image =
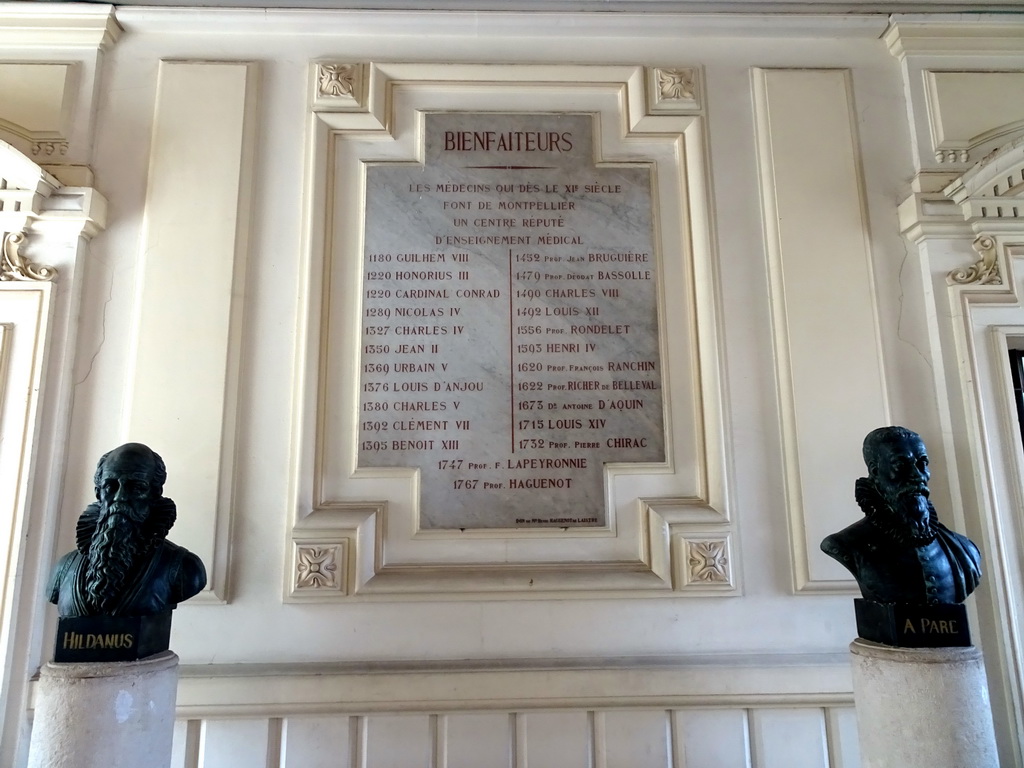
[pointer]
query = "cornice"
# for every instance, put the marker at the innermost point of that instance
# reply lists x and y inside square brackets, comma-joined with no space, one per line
[57,26]
[750,7]
[542,20]
[968,34]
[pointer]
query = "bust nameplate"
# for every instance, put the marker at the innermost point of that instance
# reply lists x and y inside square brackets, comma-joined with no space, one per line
[913,626]
[111,638]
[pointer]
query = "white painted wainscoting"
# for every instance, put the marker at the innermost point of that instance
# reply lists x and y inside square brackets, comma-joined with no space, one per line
[736,737]
[650,713]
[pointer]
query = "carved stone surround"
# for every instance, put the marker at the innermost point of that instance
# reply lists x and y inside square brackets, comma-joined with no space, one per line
[339,549]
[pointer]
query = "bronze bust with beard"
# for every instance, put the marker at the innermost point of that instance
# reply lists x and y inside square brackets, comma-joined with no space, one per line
[900,552]
[123,564]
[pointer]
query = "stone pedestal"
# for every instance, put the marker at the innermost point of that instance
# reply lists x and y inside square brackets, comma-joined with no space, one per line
[922,707]
[98,715]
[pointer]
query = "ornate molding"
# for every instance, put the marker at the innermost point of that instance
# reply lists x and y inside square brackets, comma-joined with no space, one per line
[673,90]
[952,156]
[47,149]
[677,84]
[707,561]
[952,36]
[336,79]
[338,87]
[16,267]
[70,26]
[985,271]
[318,567]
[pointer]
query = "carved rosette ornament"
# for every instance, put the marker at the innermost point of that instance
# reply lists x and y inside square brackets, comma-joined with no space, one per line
[985,271]
[14,266]
[673,90]
[677,84]
[336,80]
[316,568]
[708,562]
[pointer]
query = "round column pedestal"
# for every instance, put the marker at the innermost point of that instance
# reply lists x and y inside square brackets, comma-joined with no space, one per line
[922,707]
[104,714]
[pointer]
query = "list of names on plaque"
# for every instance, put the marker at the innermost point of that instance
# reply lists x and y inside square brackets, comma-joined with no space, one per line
[509,343]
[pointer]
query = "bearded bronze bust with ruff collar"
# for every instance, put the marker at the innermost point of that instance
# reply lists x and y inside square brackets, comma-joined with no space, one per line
[123,566]
[900,554]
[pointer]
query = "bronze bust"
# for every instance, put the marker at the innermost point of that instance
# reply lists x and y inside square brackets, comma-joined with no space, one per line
[123,564]
[900,552]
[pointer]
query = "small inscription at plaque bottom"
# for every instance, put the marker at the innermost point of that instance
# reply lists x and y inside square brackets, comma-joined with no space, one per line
[509,341]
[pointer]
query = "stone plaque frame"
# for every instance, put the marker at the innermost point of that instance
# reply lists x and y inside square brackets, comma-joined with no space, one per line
[366,519]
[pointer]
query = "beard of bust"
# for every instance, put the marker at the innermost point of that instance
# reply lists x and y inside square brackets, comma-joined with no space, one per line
[909,518]
[113,551]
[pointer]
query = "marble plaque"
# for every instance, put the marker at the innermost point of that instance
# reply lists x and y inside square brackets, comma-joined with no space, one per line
[509,321]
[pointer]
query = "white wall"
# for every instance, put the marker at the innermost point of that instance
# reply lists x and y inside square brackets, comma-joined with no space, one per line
[812,330]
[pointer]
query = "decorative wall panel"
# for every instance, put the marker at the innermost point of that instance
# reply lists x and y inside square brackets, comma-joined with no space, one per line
[481,740]
[316,742]
[714,737]
[773,731]
[243,741]
[395,741]
[625,736]
[191,285]
[555,739]
[822,293]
